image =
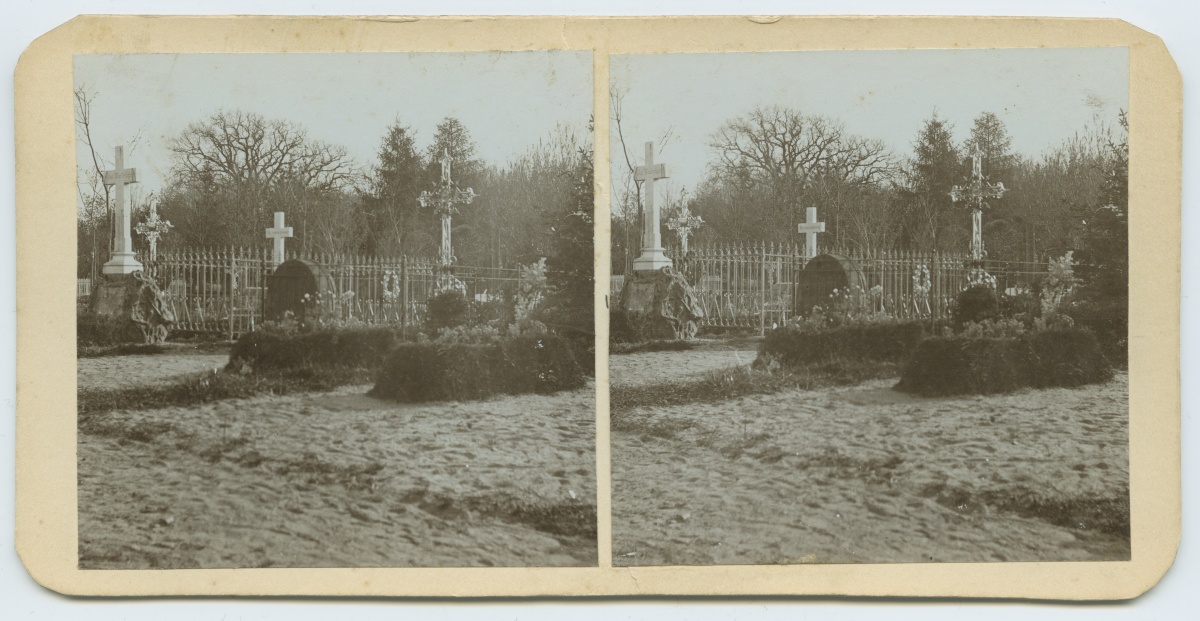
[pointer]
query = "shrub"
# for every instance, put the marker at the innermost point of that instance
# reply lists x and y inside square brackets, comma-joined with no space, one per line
[974,304]
[886,341]
[447,310]
[1108,319]
[1024,307]
[958,365]
[433,371]
[360,347]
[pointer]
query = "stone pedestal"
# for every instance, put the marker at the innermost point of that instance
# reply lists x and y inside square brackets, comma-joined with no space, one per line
[660,305]
[122,264]
[134,297]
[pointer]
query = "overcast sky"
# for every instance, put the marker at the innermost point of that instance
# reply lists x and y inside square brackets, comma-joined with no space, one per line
[1042,95]
[507,100]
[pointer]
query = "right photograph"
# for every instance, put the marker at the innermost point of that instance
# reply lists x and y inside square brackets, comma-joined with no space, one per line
[869,306]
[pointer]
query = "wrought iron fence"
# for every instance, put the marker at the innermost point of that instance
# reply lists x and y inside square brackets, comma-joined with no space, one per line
[224,292]
[758,285]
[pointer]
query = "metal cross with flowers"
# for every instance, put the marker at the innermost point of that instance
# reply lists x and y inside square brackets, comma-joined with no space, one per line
[152,228]
[683,224]
[973,194]
[444,199]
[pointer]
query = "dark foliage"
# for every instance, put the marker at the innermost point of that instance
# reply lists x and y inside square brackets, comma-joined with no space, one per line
[351,348]
[569,308]
[1023,306]
[1108,319]
[417,372]
[101,331]
[447,309]
[964,365]
[973,305]
[620,329]
[887,342]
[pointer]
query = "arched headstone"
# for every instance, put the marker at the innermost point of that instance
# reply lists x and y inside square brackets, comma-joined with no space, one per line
[822,275]
[290,283]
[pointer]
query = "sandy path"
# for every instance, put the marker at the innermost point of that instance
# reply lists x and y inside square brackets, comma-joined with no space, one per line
[650,367]
[147,370]
[866,474]
[336,479]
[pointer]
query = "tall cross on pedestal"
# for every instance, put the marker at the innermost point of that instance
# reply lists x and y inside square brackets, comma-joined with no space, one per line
[973,194]
[810,227]
[652,257]
[445,199]
[278,234]
[683,225]
[123,260]
[152,228]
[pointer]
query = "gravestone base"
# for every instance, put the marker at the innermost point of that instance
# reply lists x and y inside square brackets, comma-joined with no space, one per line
[136,300]
[660,305]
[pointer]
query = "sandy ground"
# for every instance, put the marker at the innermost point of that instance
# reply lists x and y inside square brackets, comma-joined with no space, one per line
[143,370]
[862,474]
[337,480]
[650,367]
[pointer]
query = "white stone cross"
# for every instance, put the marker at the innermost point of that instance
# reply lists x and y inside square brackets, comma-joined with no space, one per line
[683,225]
[810,227]
[279,233]
[152,228]
[652,257]
[973,194]
[123,260]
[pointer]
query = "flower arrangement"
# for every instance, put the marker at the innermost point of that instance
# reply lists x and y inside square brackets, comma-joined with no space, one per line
[1059,283]
[391,286]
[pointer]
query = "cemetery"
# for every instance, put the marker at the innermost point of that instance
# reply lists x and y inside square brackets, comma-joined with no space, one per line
[271,404]
[791,402]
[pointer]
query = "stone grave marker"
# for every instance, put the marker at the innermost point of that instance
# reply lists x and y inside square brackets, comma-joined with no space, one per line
[290,283]
[824,274]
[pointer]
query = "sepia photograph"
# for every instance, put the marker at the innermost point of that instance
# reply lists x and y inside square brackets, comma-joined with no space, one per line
[335,310]
[870,306]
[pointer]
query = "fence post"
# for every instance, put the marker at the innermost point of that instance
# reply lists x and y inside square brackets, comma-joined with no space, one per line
[404,297]
[229,290]
[762,290]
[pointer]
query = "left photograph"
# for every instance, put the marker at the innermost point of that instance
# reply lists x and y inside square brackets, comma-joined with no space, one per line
[335,310]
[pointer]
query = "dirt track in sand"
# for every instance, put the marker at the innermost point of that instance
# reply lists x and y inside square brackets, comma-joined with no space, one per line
[866,474]
[340,479]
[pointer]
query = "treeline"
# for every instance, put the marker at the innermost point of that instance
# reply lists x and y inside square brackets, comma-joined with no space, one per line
[771,163]
[233,169]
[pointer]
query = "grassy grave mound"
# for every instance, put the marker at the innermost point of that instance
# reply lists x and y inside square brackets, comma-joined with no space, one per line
[960,365]
[279,350]
[432,371]
[796,346]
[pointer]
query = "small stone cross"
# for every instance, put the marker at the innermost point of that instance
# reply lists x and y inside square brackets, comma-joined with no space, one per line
[652,257]
[152,228]
[810,227]
[279,233]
